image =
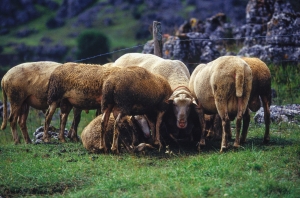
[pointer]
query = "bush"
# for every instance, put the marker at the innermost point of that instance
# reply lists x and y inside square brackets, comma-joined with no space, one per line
[93,46]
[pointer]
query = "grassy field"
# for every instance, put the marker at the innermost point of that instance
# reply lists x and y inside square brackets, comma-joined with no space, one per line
[68,170]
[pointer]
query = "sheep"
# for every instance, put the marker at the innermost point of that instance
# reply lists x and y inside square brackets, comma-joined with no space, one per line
[222,86]
[123,96]
[261,89]
[25,85]
[178,75]
[130,133]
[74,85]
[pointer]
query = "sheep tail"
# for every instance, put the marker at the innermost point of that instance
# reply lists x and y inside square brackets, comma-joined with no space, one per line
[239,81]
[4,121]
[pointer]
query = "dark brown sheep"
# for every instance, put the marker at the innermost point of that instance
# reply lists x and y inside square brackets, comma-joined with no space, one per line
[25,86]
[123,96]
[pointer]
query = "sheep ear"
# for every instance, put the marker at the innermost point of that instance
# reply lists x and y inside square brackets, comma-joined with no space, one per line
[195,102]
[171,98]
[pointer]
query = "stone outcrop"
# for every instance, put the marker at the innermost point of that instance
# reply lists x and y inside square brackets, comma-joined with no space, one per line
[286,113]
[272,32]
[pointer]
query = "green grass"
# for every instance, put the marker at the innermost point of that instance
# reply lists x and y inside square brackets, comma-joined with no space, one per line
[68,170]
[286,83]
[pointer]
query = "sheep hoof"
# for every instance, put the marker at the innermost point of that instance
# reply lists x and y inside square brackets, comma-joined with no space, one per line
[28,141]
[114,150]
[75,139]
[236,145]
[46,139]
[202,142]
[223,149]
[62,140]
[17,142]
[266,140]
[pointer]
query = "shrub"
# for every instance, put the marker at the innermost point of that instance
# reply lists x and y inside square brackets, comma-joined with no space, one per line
[93,46]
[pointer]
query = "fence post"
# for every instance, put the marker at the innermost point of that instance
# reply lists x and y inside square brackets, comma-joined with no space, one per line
[157,38]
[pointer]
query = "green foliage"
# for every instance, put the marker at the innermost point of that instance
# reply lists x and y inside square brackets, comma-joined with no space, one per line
[286,82]
[91,44]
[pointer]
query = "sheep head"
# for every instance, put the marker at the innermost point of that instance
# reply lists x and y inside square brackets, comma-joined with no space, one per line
[182,101]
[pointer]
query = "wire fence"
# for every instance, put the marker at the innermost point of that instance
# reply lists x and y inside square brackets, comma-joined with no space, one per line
[285,82]
[285,85]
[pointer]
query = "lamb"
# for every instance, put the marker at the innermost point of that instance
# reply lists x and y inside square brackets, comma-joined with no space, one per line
[74,85]
[123,96]
[177,74]
[222,86]
[131,134]
[25,85]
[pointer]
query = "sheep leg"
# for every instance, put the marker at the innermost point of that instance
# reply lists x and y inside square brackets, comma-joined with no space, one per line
[266,106]
[210,130]
[118,124]
[246,121]
[152,127]
[225,130]
[157,130]
[13,117]
[73,130]
[223,112]
[104,122]
[238,123]
[135,130]
[199,110]
[48,118]
[22,122]
[65,108]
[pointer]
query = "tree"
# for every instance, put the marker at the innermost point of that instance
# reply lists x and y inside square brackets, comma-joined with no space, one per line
[93,47]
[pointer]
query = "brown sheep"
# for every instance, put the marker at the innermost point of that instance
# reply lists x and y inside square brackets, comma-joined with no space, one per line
[261,88]
[25,86]
[74,85]
[222,86]
[177,74]
[123,96]
[131,134]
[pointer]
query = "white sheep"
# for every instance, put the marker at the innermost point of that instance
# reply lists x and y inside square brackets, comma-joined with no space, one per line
[222,86]
[177,74]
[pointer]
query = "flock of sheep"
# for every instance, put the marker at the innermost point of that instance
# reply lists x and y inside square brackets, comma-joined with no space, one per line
[139,95]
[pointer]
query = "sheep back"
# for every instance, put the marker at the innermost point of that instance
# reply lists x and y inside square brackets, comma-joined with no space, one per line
[150,93]
[176,72]
[261,83]
[222,81]
[29,81]
[80,83]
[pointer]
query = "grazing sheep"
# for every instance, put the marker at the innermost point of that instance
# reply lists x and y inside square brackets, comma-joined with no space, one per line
[25,85]
[74,85]
[222,86]
[130,133]
[123,96]
[177,74]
